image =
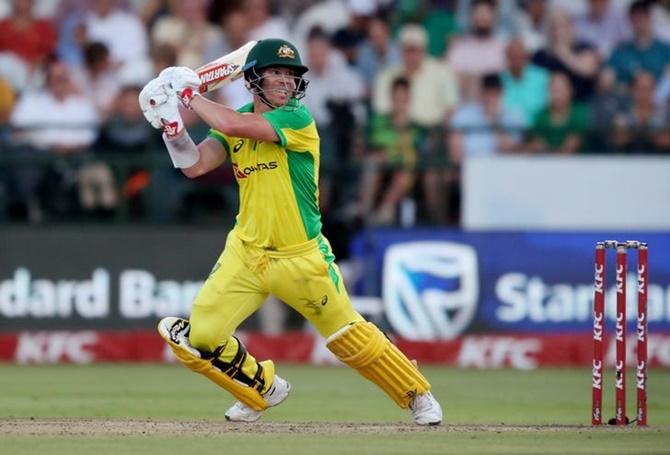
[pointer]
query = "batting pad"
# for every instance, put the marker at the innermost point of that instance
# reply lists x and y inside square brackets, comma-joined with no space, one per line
[174,330]
[364,347]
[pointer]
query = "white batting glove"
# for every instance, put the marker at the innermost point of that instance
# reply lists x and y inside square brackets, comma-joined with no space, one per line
[152,95]
[160,107]
[184,81]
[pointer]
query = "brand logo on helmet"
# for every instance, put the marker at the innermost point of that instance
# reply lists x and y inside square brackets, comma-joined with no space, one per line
[285,52]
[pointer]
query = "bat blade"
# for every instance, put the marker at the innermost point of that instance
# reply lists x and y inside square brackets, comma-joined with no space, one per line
[224,70]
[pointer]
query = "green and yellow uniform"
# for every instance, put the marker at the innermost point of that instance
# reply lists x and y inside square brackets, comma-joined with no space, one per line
[279,194]
[276,246]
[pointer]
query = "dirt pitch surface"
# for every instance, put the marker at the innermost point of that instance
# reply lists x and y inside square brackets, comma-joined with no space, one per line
[101,428]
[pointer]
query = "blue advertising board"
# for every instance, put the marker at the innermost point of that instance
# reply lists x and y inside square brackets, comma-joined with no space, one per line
[438,284]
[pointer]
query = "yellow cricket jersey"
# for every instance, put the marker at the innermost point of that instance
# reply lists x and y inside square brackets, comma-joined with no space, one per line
[279,193]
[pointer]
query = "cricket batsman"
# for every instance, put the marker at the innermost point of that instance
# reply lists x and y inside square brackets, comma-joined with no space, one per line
[276,246]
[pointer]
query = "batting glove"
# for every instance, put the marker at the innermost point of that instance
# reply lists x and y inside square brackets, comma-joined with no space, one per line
[184,81]
[160,107]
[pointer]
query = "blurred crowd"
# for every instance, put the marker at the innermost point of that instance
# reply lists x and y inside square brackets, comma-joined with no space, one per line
[403,91]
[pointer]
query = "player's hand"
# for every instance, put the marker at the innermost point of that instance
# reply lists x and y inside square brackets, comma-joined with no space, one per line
[184,81]
[160,107]
[153,95]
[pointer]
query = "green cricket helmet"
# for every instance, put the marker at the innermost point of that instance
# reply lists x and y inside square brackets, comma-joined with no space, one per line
[269,53]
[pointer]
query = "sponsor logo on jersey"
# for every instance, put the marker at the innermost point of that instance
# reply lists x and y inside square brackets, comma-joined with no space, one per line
[243,173]
[238,173]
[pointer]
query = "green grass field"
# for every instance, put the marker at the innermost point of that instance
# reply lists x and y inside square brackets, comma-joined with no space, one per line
[165,409]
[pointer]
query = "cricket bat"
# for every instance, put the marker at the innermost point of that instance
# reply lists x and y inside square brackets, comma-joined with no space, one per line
[223,70]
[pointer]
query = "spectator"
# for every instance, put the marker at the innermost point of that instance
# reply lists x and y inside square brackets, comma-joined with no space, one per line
[349,38]
[641,127]
[149,11]
[608,100]
[122,32]
[71,19]
[187,30]
[532,24]
[125,131]
[162,56]
[56,120]
[7,99]
[644,52]
[98,80]
[262,23]
[485,126]
[433,87]
[578,60]
[334,91]
[480,41]
[660,15]
[328,15]
[440,23]
[482,127]
[6,104]
[235,35]
[433,94]
[524,84]
[32,39]
[602,26]
[662,95]
[16,72]
[506,10]
[72,33]
[559,128]
[377,51]
[388,176]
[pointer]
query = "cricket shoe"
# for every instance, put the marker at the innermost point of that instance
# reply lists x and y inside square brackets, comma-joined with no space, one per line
[425,409]
[278,392]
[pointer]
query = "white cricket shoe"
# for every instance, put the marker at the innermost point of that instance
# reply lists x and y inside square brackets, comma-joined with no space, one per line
[425,409]
[240,412]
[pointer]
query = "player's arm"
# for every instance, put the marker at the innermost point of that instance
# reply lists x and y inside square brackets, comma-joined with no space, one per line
[185,83]
[161,108]
[211,154]
[233,123]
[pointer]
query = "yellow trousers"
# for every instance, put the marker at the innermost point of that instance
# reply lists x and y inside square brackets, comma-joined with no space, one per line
[304,276]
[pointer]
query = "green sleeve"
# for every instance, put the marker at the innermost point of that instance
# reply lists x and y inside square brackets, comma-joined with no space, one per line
[286,119]
[219,136]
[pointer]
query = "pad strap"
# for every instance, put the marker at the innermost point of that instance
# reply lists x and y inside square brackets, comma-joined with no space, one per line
[227,375]
[234,367]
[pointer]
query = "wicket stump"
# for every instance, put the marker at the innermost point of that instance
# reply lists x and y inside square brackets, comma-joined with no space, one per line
[621,248]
